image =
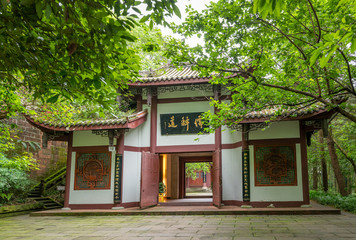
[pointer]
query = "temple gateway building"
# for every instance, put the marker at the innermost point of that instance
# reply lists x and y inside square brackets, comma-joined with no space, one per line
[127,162]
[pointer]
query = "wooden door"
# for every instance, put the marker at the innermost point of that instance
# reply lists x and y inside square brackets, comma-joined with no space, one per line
[217,189]
[149,179]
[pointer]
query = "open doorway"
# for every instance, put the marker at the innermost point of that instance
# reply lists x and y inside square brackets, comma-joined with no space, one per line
[186,179]
[196,177]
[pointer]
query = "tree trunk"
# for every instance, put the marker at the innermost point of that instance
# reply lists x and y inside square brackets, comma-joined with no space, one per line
[335,164]
[345,154]
[315,178]
[324,169]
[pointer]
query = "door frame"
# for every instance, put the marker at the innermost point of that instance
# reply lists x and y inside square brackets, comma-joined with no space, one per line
[182,162]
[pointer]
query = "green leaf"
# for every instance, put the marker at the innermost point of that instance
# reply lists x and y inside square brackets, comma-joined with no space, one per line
[176,11]
[274,4]
[136,10]
[255,6]
[315,56]
[151,25]
[39,9]
[53,99]
[48,11]
[353,45]
[145,18]
[262,4]
[346,36]
[27,2]
[325,59]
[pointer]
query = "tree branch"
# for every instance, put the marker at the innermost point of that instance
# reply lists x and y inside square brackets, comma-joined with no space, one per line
[348,70]
[317,21]
[286,36]
[352,161]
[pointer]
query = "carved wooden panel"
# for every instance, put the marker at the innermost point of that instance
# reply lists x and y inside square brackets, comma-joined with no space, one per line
[275,166]
[92,171]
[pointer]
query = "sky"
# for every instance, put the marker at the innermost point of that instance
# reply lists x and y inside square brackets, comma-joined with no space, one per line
[198,5]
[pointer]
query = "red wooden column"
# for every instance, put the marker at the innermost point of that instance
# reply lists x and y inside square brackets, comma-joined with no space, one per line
[150,160]
[217,175]
[69,166]
[304,155]
[153,129]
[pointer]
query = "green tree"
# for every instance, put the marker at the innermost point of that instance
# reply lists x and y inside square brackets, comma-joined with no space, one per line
[278,54]
[192,168]
[71,49]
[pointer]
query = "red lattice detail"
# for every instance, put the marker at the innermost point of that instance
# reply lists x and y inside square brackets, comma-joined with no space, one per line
[92,171]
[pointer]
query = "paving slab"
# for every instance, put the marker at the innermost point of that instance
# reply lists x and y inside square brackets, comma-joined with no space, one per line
[252,227]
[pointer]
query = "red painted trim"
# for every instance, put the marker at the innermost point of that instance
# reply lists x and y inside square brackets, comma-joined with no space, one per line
[170,82]
[275,141]
[139,102]
[91,206]
[137,122]
[103,206]
[182,162]
[131,204]
[211,147]
[91,148]
[218,138]
[153,129]
[231,145]
[136,149]
[196,159]
[120,144]
[68,170]
[186,148]
[264,204]
[304,156]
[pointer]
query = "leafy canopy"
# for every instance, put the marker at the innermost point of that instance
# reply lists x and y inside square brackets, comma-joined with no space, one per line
[71,49]
[275,54]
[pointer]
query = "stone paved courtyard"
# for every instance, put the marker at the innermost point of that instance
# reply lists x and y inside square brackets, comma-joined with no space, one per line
[312,227]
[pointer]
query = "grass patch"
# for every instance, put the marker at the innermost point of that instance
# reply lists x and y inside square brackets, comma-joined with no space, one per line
[347,203]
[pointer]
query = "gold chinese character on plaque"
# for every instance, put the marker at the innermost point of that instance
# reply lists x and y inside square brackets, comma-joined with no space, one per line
[185,122]
[198,122]
[171,124]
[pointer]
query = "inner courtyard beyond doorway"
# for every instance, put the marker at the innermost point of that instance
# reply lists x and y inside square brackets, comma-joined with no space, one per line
[186,178]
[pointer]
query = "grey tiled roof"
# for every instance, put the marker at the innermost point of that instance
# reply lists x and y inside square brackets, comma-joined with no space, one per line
[92,124]
[284,113]
[170,74]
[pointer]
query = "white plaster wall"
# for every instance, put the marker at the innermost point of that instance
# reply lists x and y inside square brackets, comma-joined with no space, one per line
[185,93]
[229,136]
[231,174]
[280,193]
[91,196]
[286,129]
[87,139]
[140,136]
[131,177]
[184,139]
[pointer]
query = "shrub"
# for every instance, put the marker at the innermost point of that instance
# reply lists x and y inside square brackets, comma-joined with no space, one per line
[347,203]
[13,183]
